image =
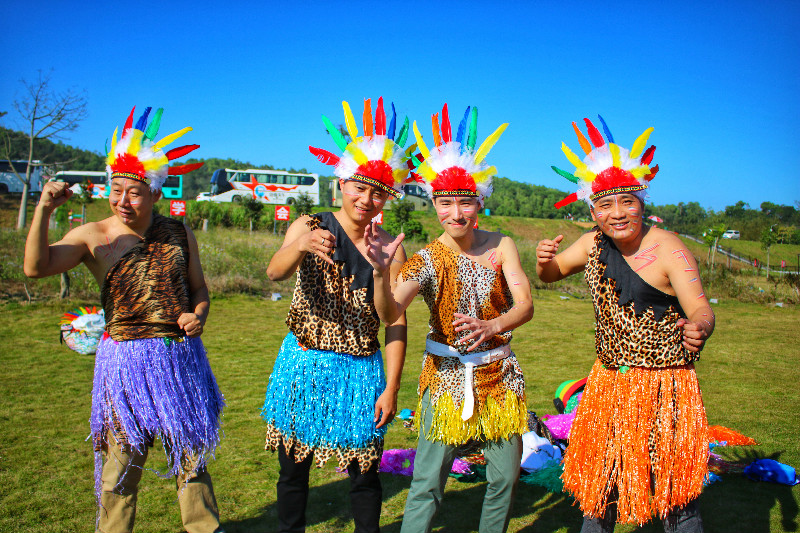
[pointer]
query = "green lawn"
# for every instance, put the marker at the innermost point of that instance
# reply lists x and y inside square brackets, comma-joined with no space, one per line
[749,375]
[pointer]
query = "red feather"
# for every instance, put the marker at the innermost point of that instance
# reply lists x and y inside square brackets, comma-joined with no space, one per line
[367,118]
[129,122]
[568,200]
[183,169]
[324,156]
[447,134]
[181,151]
[648,155]
[653,172]
[594,135]
[380,118]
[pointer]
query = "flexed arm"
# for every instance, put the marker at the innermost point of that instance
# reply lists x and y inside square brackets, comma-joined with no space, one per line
[684,276]
[553,266]
[299,241]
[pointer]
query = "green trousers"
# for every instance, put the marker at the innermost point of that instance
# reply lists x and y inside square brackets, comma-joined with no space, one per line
[122,471]
[432,464]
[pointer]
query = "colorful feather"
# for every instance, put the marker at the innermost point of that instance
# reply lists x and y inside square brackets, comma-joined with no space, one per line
[462,127]
[142,122]
[653,172]
[565,174]
[437,138]
[380,118]
[335,134]
[472,136]
[647,157]
[324,156]
[169,138]
[183,169]
[349,122]
[490,141]
[606,130]
[594,134]
[421,143]
[155,124]
[446,130]
[392,124]
[614,149]
[638,145]
[128,122]
[582,140]
[368,117]
[181,151]
[403,135]
[568,200]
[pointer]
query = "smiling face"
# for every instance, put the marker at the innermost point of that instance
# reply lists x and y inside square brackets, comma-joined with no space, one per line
[619,216]
[362,202]
[457,214]
[131,200]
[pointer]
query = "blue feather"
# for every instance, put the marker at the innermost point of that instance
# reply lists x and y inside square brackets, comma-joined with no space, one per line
[143,119]
[606,130]
[462,127]
[392,124]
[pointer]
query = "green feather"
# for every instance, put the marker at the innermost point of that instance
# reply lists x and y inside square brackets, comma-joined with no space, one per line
[403,135]
[565,174]
[152,129]
[472,136]
[335,134]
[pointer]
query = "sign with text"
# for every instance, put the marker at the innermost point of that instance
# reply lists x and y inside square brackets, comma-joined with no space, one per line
[378,218]
[281,212]
[783,264]
[177,208]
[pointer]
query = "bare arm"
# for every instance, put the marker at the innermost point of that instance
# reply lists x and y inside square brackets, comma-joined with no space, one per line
[521,312]
[551,267]
[43,259]
[298,242]
[192,323]
[395,353]
[391,299]
[684,277]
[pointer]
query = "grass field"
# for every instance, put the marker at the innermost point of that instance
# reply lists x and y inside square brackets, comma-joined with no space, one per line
[749,375]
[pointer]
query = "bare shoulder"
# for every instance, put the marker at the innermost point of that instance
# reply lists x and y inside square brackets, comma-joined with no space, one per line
[665,238]
[89,232]
[586,241]
[493,239]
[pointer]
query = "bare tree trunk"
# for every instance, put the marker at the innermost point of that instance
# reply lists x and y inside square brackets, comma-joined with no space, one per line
[22,219]
[767,263]
[83,213]
[64,285]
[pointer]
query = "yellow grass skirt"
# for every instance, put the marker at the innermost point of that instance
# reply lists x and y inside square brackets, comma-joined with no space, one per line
[643,432]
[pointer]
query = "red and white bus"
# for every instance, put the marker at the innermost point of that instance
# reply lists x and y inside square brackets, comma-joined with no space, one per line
[268,186]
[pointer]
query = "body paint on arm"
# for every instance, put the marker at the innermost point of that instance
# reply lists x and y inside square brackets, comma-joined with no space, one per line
[646,256]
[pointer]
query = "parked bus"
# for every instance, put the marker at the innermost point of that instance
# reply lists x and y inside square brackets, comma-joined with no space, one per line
[173,187]
[10,183]
[268,186]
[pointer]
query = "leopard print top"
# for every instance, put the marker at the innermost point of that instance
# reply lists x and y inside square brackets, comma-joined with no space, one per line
[636,323]
[146,291]
[332,307]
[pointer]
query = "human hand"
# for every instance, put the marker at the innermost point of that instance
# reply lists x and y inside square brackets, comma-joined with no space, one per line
[481,330]
[54,194]
[191,324]
[379,252]
[385,408]
[694,335]
[547,249]
[320,242]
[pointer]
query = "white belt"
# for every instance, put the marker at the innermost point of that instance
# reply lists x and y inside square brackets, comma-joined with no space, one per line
[470,360]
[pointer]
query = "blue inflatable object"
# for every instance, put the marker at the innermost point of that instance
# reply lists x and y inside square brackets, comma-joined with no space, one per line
[772,471]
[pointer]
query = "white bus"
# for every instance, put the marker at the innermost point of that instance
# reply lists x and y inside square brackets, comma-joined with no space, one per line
[268,186]
[77,177]
[10,183]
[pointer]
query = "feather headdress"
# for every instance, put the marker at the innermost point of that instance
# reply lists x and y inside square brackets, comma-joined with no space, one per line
[376,158]
[454,167]
[607,168]
[138,156]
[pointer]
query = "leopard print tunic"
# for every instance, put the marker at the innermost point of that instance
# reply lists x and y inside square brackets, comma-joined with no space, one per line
[332,307]
[636,323]
[452,283]
[146,291]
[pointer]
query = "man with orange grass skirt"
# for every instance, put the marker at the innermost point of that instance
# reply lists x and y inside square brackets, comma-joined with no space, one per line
[471,386]
[638,446]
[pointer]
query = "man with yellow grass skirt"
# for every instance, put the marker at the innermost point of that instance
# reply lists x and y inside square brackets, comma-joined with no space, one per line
[328,395]
[638,445]
[471,386]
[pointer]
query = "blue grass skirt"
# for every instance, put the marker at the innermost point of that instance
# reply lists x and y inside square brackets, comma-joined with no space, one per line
[324,399]
[146,388]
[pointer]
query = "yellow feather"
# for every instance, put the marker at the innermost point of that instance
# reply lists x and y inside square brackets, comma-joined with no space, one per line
[156,162]
[400,174]
[574,159]
[388,150]
[640,171]
[169,138]
[350,122]
[484,174]
[422,147]
[410,149]
[112,157]
[357,154]
[614,149]
[136,142]
[638,146]
[426,172]
[585,174]
[487,145]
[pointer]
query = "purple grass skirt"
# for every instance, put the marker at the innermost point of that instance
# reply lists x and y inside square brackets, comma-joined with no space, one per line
[149,388]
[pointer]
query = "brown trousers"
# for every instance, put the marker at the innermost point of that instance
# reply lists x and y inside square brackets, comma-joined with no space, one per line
[121,474]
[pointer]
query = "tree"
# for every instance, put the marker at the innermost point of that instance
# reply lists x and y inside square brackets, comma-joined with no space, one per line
[402,210]
[46,114]
[253,208]
[768,237]
[711,236]
[303,204]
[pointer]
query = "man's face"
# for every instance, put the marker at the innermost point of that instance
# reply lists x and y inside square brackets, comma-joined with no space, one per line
[131,200]
[619,216]
[362,202]
[457,214]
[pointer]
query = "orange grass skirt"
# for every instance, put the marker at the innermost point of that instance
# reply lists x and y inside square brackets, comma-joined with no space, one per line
[644,432]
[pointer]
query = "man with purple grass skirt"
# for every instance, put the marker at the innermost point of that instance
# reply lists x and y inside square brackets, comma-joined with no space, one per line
[152,378]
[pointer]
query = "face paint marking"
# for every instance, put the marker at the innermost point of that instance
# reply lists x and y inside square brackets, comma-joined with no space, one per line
[110,250]
[645,255]
[682,253]
[693,280]
[701,295]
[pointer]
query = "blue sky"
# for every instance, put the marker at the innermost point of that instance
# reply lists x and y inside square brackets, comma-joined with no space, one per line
[718,81]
